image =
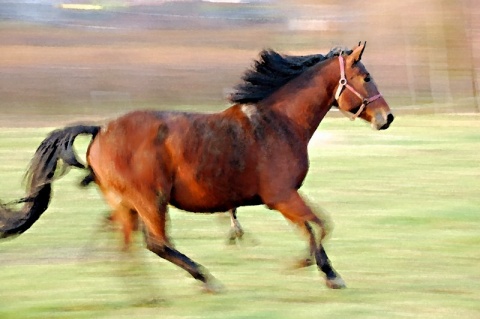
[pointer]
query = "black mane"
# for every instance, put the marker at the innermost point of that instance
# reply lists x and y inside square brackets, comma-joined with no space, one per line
[273,70]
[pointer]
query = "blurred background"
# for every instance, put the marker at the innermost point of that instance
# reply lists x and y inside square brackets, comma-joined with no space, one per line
[75,59]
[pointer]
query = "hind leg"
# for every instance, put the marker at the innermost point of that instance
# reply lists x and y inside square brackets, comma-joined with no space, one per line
[128,221]
[296,210]
[155,219]
[196,270]
[121,214]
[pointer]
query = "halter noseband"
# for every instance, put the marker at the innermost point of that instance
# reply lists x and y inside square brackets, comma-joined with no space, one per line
[342,84]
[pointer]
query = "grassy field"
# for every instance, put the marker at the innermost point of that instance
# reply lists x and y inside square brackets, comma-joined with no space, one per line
[405,203]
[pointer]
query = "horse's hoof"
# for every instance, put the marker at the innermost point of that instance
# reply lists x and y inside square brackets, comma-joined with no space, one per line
[235,234]
[232,240]
[213,287]
[336,283]
[239,233]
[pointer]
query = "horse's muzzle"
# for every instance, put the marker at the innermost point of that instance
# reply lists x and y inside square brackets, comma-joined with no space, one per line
[382,122]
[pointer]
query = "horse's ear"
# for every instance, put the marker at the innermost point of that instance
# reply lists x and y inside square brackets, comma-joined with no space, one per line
[356,55]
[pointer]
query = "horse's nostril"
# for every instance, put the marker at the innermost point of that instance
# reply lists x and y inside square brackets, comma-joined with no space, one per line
[390,118]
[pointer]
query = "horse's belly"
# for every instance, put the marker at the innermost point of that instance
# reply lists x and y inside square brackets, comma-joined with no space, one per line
[196,197]
[210,207]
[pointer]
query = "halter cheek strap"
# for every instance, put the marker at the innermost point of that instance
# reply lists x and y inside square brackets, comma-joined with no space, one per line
[343,84]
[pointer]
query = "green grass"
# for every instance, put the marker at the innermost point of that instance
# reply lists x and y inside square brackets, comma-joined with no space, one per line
[405,204]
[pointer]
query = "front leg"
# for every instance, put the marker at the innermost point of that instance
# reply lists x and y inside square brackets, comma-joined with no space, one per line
[333,279]
[296,210]
[309,259]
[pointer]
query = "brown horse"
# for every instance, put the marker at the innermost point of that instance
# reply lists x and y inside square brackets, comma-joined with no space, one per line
[254,152]
[128,221]
[270,62]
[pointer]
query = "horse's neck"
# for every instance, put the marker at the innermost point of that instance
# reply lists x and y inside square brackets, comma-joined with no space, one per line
[306,100]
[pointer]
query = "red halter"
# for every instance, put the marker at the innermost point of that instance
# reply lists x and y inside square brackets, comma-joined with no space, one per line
[342,84]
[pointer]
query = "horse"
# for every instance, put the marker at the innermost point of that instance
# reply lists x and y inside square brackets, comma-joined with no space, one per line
[252,153]
[129,222]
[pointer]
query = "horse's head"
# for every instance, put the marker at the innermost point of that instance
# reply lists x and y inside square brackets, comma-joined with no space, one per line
[357,95]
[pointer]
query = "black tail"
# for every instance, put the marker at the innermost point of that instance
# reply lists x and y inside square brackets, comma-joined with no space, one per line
[42,172]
